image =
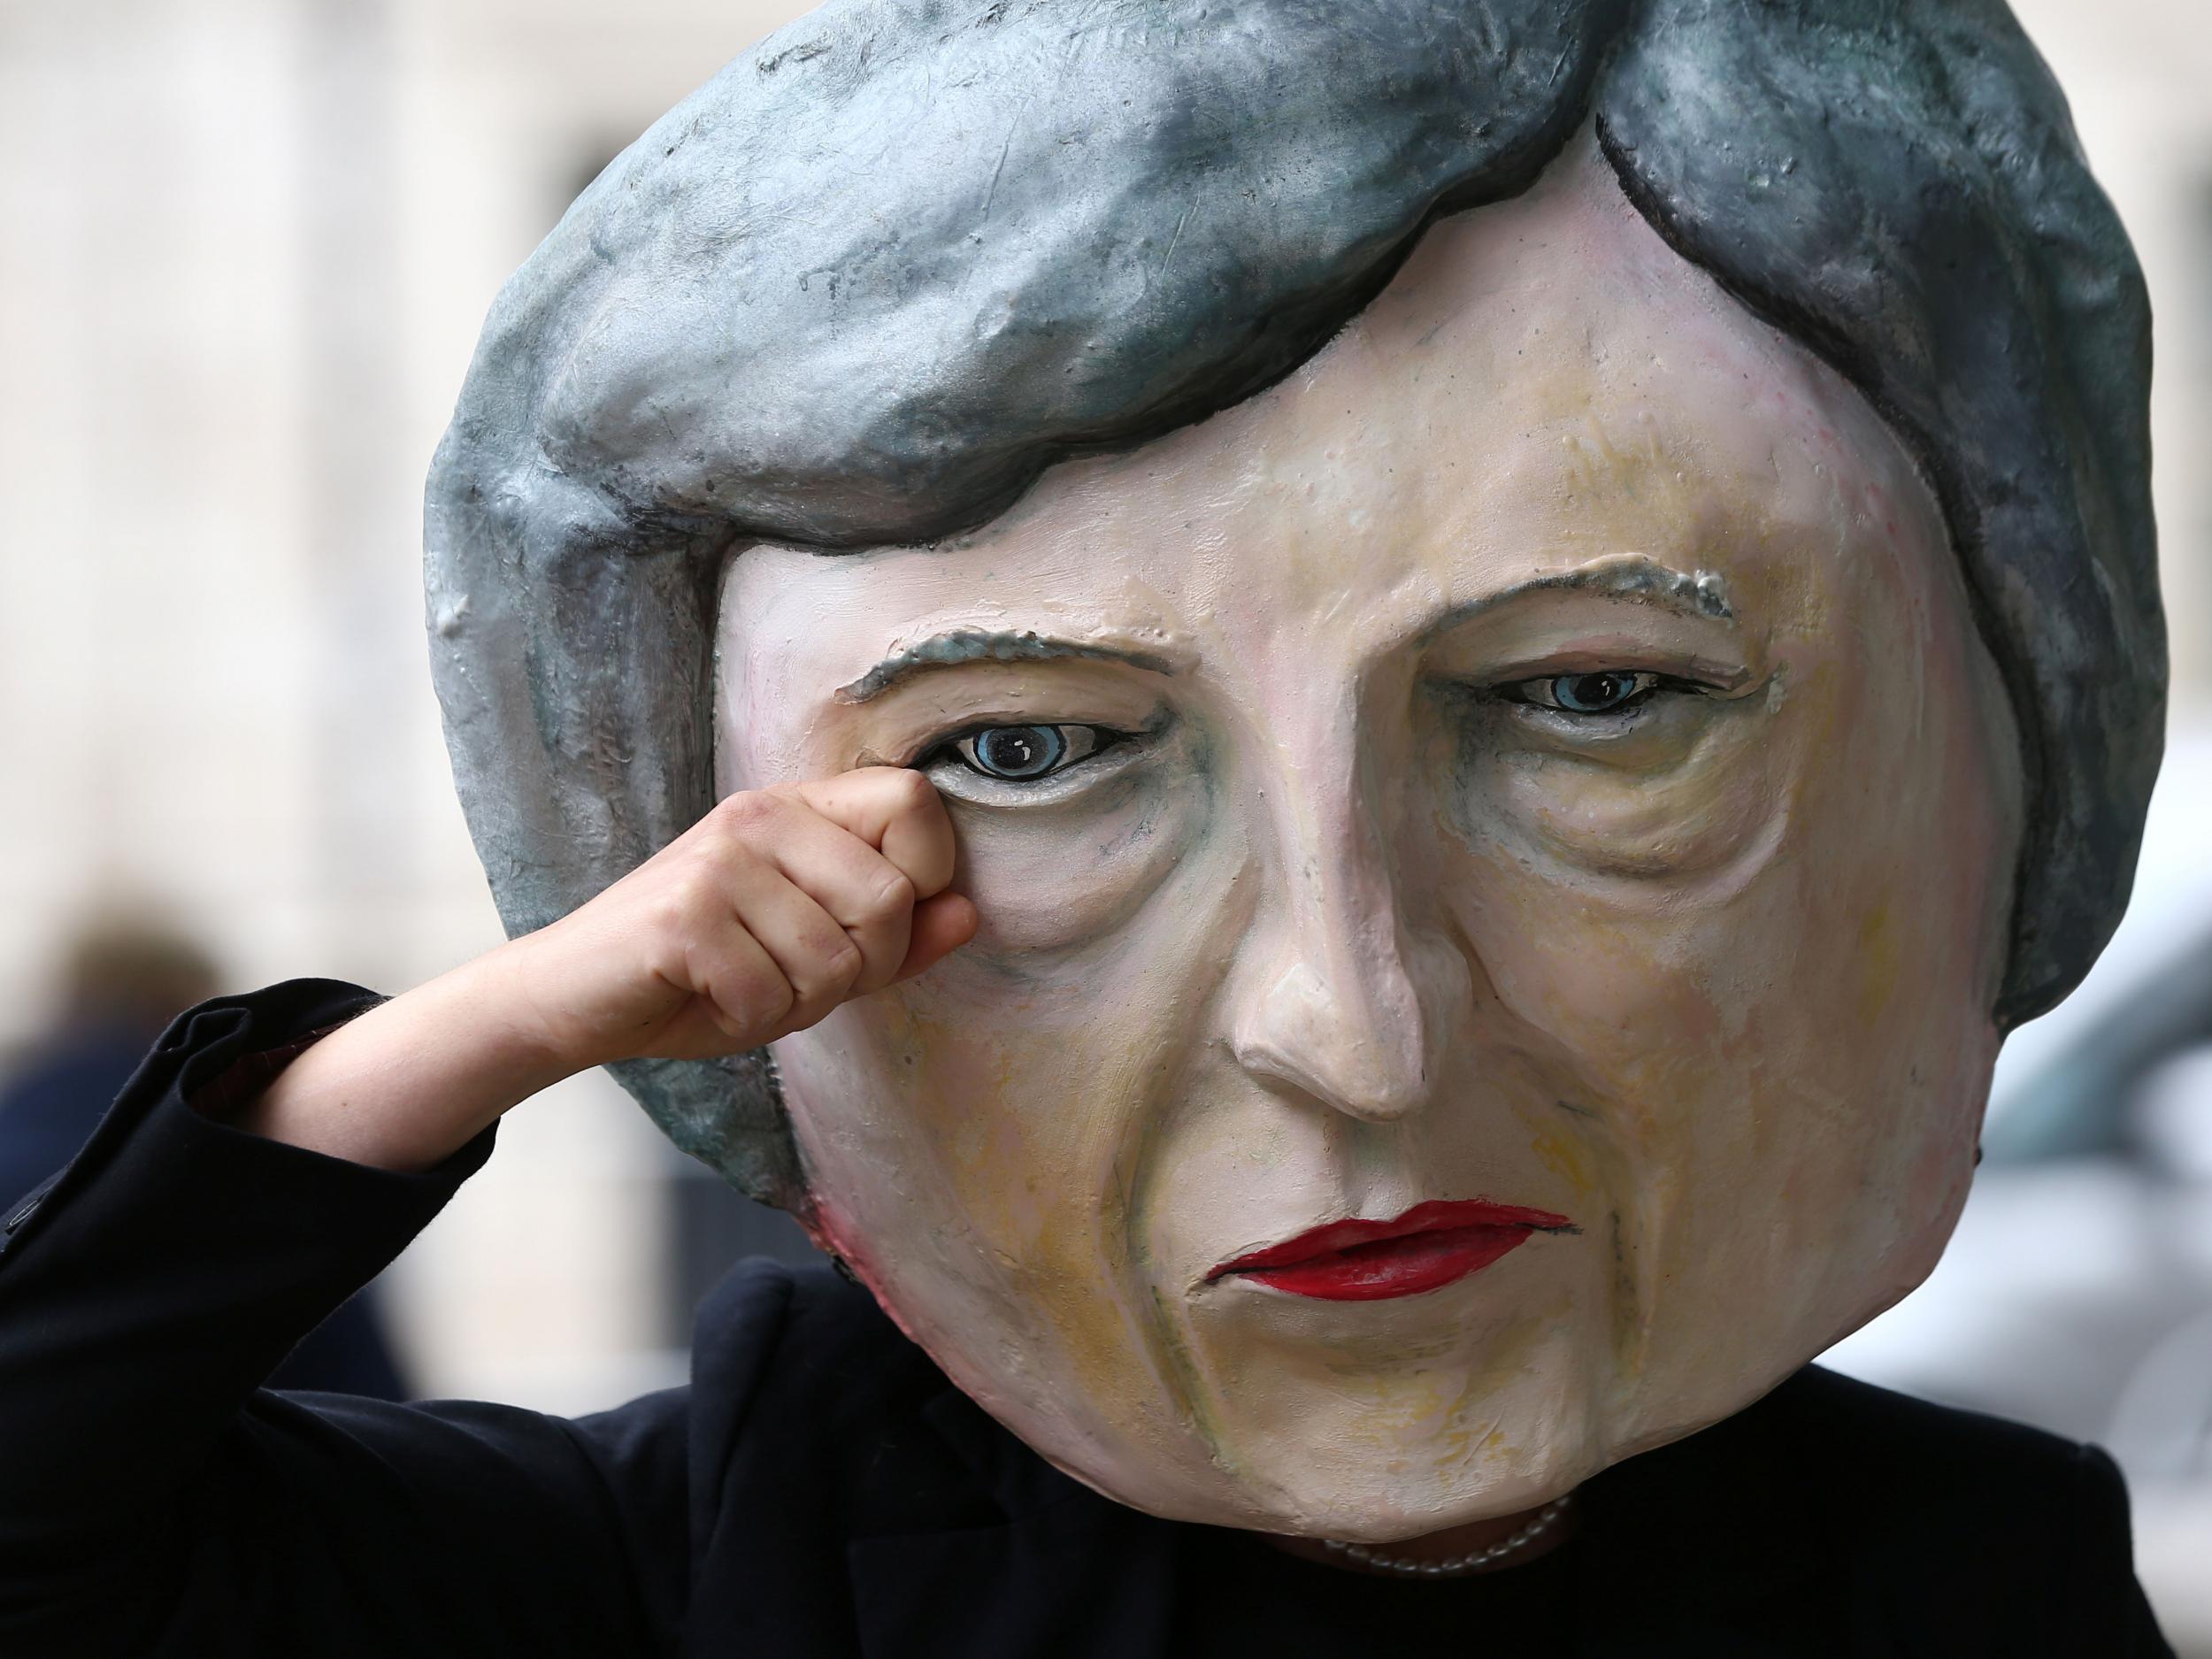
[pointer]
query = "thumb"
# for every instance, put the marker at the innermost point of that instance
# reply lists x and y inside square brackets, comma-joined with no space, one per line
[941,925]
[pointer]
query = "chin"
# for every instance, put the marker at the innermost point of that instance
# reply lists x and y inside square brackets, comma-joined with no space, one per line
[1386,1513]
[1355,1463]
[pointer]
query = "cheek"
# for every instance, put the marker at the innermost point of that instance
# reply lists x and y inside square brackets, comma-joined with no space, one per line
[1015,1088]
[979,1139]
[1811,921]
[963,1176]
[1791,1055]
[958,1172]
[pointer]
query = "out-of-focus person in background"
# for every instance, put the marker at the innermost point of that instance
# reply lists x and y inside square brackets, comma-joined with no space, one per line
[121,978]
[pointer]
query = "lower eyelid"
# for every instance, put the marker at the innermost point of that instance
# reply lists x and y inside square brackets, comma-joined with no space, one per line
[1568,720]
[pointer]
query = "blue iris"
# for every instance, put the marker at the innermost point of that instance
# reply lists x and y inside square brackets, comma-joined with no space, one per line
[1017,753]
[1595,694]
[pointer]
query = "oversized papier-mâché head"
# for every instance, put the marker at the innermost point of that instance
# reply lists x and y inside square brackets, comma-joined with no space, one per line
[1538,620]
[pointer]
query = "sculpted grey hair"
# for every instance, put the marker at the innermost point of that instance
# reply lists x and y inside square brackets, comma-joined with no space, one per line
[871,280]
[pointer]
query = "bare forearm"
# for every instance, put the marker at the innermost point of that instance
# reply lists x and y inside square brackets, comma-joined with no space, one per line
[409,1083]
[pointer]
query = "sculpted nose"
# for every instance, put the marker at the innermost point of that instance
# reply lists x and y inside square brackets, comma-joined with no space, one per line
[1349,1033]
[1336,1011]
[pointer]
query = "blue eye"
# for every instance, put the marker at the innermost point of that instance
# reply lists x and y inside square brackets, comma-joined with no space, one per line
[1048,752]
[1019,754]
[1609,691]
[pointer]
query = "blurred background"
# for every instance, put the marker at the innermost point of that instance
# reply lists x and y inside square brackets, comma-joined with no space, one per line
[245,247]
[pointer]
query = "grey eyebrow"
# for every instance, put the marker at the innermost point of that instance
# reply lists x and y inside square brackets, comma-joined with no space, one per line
[976,645]
[1630,576]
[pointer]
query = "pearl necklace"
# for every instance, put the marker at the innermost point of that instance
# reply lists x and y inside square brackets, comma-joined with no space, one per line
[1456,1566]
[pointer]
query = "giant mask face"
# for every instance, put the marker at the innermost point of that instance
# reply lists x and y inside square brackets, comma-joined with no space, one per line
[1520,729]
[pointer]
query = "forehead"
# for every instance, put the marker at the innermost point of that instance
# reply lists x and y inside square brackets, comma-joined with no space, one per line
[1543,384]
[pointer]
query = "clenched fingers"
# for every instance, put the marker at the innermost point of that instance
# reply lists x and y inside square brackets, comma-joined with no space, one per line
[897,811]
[864,891]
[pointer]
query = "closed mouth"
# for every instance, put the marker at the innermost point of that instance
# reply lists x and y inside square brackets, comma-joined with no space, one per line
[1430,1246]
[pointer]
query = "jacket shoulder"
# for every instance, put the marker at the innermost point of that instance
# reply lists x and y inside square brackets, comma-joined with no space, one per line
[790,1363]
[768,1327]
[1973,1524]
[1880,1430]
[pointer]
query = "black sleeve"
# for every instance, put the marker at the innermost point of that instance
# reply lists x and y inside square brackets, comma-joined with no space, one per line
[154,1500]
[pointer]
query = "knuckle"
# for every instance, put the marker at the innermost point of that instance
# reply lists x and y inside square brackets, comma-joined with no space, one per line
[734,1018]
[719,873]
[833,970]
[747,993]
[747,812]
[894,896]
[762,999]
[909,788]
[708,888]
[672,913]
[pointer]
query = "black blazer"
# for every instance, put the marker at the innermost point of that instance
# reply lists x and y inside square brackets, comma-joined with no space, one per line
[820,1489]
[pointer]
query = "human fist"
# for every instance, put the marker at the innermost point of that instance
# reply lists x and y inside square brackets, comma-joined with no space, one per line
[777,906]
[773,909]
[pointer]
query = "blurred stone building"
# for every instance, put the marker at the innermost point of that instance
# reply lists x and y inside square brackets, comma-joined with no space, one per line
[245,247]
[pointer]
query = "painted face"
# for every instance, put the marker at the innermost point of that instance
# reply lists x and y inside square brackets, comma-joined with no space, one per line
[1528,779]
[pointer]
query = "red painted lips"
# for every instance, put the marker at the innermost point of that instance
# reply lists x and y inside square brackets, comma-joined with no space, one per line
[1429,1246]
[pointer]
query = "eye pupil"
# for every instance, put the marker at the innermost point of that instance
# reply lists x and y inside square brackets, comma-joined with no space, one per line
[1593,694]
[1019,751]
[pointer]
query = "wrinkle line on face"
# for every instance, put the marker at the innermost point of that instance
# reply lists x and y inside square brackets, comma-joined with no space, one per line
[977,645]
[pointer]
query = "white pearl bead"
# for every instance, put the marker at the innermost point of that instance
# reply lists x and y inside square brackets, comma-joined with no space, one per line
[1521,1540]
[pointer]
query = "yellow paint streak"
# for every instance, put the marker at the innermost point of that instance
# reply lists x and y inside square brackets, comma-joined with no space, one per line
[1879,963]
[1566,1157]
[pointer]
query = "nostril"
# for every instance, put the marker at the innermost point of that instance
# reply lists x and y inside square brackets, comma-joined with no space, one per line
[1361,1054]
